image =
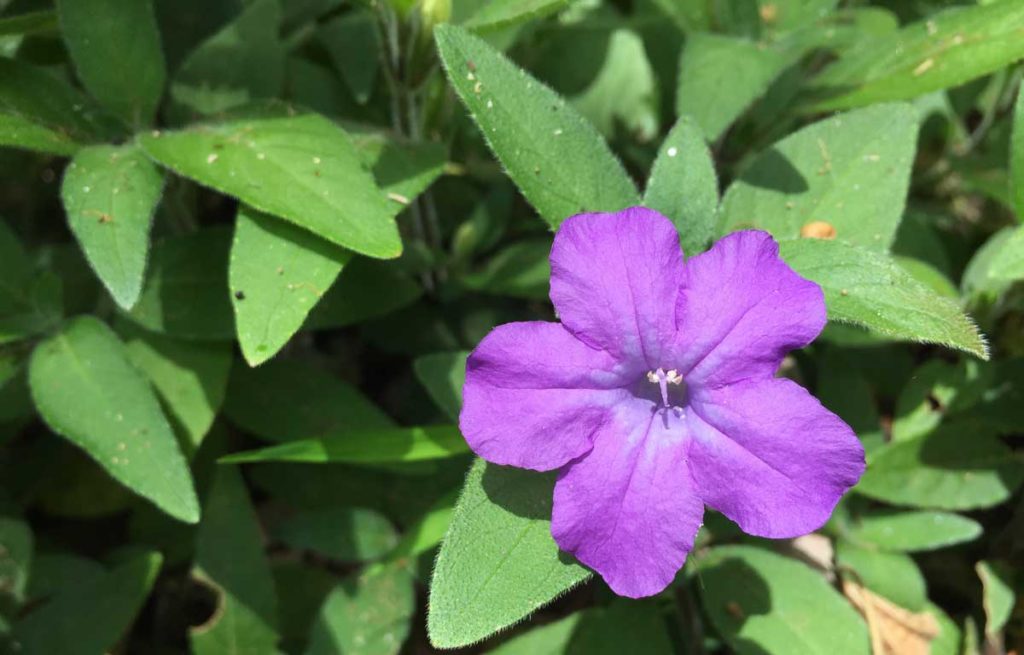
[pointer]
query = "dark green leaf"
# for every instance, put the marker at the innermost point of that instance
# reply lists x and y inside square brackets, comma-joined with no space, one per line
[43,21]
[347,534]
[29,304]
[499,14]
[353,41]
[442,375]
[366,289]
[1017,157]
[16,546]
[521,270]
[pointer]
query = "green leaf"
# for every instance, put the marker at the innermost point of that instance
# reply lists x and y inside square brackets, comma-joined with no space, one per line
[845,390]
[241,63]
[347,534]
[945,50]
[868,289]
[39,111]
[288,400]
[708,59]
[15,563]
[531,130]
[303,169]
[366,615]
[89,614]
[366,289]
[1017,157]
[189,377]
[850,171]
[683,186]
[353,42]
[365,447]
[278,273]
[115,46]
[428,531]
[1008,262]
[442,375]
[29,304]
[230,559]
[979,281]
[301,590]
[913,531]
[87,390]
[499,537]
[892,575]
[499,14]
[402,170]
[998,594]
[957,466]
[761,602]
[43,21]
[110,194]
[938,390]
[521,271]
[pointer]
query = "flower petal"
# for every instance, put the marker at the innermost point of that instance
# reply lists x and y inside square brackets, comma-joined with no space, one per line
[614,282]
[535,394]
[741,309]
[767,455]
[628,508]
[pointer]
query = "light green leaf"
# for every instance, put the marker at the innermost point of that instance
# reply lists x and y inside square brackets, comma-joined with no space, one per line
[1017,157]
[948,641]
[20,132]
[367,615]
[365,447]
[913,531]
[186,291]
[16,545]
[347,534]
[960,465]
[498,14]
[683,186]
[29,304]
[999,597]
[1008,262]
[761,602]
[442,375]
[115,46]
[550,639]
[230,559]
[892,575]
[288,400]
[302,168]
[88,615]
[278,272]
[110,194]
[868,289]
[850,171]
[521,270]
[87,390]
[945,50]
[353,42]
[938,390]
[241,63]
[749,67]
[979,281]
[498,562]
[190,377]
[530,129]
[366,289]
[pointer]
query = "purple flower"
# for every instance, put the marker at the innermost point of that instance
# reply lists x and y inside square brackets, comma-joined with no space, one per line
[656,396]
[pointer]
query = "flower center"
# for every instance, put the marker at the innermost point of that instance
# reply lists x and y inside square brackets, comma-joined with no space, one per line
[673,398]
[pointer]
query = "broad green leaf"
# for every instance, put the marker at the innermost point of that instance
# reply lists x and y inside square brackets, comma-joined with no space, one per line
[353,42]
[241,63]
[29,304]
[1017,157]
[230,559]
[365,289]
[960,465]
[189,377]
[115,46]
[304,169]
[761,602]
[288,400]
[347,534]
[532,131]
[999,596]
[949,640]
[301,590]
[42,21]
[53,570]
[1008,262]
[499,14]
[369,614]
[979,281]
[278,273]
[521,271]
[498,562]
[683,186]
[945,50]
[16,550]
[110,194]
[938,390]
[913,531]
[442,375]
[428,531]
[749,67]
[550,639]
[39,111]
[88,615]
[87,390]
[402,170]
[850,172]
[365,447]
[868,289]
[892,575]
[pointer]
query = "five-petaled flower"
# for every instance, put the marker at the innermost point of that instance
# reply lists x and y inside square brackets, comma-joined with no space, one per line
[656,395]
